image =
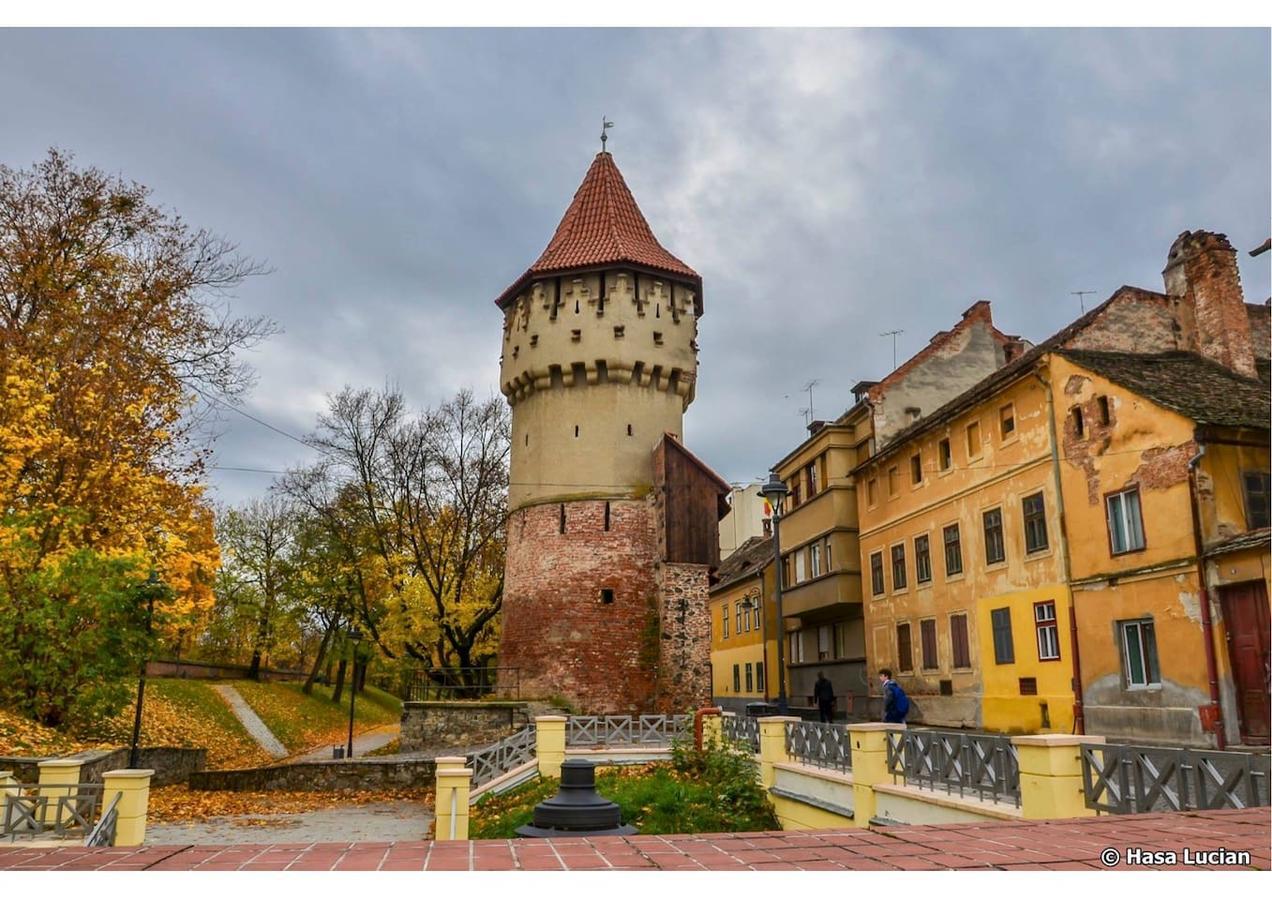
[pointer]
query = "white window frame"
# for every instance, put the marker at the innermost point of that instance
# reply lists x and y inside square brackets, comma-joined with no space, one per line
[1049,633]
[814,561]
[825,642]
[1124,632]
[724,622]
[800,572]
[1124,522]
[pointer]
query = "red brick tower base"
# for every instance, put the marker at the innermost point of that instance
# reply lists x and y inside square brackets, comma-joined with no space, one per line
[593,616]
[579,608]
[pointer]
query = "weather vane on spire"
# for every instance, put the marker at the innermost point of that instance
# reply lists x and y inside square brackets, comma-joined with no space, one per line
[605,126]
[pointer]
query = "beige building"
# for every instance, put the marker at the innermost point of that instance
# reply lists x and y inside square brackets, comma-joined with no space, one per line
[748,517]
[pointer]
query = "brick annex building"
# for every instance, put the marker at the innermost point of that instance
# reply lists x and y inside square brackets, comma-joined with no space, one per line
[613,524]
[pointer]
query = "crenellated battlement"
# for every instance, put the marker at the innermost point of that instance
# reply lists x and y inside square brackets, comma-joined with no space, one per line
[617,326]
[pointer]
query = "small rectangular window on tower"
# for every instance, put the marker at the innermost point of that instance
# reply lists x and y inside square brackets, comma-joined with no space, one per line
[607,596]
[561,523]
[619,330]
[576,334]
[607,515]
[658,338]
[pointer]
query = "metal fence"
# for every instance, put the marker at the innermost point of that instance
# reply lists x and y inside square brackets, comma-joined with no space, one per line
[502,756]
[742,730]
[58,808]
[613,731]
[822,744]
[461,683]
[103,833]
[1122,778]
[984,765]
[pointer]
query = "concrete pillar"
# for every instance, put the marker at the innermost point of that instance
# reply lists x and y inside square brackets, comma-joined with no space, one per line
[450,799]
[1051,775]
[869,766]
[58,778]
[549,732]
[772,745]
[133,786]
[709,727]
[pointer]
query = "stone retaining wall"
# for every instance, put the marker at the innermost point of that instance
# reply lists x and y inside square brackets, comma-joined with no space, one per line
[358,774]
[429,724]
[172,765]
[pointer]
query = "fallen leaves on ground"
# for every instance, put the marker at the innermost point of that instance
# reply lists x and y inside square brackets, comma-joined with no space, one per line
[177,803]
[20,736]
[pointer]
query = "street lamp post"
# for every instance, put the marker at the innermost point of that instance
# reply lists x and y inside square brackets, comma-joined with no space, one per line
[134,752]
[775,493]
[354,637]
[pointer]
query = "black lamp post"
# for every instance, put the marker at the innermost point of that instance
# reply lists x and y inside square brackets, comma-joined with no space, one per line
[134,752]
[354,637]
[775,493]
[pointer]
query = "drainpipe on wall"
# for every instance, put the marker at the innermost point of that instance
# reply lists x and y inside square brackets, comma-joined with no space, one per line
[1215,714]
[1079,715]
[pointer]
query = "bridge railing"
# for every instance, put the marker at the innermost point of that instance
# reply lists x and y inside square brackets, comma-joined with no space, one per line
[962,762]
[618,731]
[1125,778]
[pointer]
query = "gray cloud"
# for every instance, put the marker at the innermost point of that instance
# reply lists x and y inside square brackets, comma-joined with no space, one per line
[828,185]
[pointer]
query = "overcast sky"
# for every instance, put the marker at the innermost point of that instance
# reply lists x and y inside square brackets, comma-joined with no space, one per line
[829,185]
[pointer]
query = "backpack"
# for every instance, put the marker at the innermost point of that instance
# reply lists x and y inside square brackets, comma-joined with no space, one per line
[900,701]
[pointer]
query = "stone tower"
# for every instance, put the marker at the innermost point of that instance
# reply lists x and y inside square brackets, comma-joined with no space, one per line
[608,513]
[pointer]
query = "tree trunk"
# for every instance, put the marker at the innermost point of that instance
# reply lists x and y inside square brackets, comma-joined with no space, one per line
[340,680]
[318,660]
[254,670]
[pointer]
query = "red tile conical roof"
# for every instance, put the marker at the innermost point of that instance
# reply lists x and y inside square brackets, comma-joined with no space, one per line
[603,225]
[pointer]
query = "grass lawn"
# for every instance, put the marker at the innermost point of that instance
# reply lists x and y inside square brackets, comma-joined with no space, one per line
[661,798]
[178,713]
[303,722]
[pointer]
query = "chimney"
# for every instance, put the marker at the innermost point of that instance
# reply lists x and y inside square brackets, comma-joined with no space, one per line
[1205,291]
[816,425]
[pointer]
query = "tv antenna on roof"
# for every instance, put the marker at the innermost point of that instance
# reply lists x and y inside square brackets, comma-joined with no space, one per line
[809,387]
[893,334]
[606,125]
[1080,295]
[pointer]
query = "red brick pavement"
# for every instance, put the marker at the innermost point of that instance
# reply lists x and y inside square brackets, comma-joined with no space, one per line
[1060,844]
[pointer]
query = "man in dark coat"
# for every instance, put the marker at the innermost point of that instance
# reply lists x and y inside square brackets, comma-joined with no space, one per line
[824,697]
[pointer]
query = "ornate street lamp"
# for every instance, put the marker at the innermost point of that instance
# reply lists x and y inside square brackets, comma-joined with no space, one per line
[354,637]
[775,493]
[152,587]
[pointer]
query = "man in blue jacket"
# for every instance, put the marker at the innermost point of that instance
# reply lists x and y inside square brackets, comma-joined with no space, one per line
[896,705]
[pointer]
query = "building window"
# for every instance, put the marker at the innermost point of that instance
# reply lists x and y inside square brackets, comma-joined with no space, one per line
[1102,404]
[953,551]
[841,640]
[905,658]
[759,676]
[811,478]
[796,647]
[916,468]
[1139,653]
[1000,622]
[724,621]
[1126,527]
[786,570]
[750,678]
[894,481]
[959,643]
[1256,499]
[824,645]
[876,572]
[1079,424]
[607,596]
[737,613]
[922,560]
[737,679]
[943,455]
[814,560]
[799,567]
[755,613]
[826,560]
[995,552]
[607,515]
[898,567]
[927,640]
[973,440]
[872,491]
[561,519]
[1006,421]
[1048,633]
[1035,523]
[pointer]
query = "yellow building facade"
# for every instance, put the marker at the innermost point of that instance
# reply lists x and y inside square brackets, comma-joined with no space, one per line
[744,628]
[962,550]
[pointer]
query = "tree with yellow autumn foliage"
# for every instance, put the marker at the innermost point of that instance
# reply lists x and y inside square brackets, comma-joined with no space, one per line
[111,326]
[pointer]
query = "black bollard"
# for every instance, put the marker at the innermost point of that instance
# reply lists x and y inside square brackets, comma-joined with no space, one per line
[577,810]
